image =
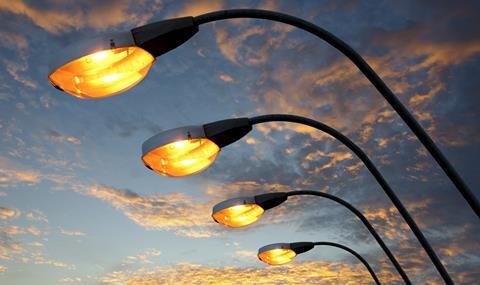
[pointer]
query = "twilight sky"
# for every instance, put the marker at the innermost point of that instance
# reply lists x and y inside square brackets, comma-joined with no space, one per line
[77,206]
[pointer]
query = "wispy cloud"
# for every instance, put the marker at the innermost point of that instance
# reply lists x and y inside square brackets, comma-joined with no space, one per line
[175,211]
[295,273]
[6,213]
[58,18]
[72,233]
[195,8]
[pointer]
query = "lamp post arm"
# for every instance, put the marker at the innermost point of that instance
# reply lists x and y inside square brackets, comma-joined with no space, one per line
[369,268]
[375,172]
[373,77]
[364,220]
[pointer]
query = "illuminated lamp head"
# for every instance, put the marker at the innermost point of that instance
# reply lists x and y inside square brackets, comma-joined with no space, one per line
[111,64]
[281,253]
[189,150]
[237,212]
[243,211]
[101,67]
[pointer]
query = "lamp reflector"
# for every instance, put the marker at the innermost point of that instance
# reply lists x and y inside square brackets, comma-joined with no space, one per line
[103,73]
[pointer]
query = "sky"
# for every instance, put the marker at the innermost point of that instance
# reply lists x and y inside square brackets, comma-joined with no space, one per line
[77,205]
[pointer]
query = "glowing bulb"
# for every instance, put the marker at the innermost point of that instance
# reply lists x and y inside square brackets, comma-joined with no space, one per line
[238,215]
[277,256]
[183,157]
[110,78]
[98,55]
[180,144]
[104,73]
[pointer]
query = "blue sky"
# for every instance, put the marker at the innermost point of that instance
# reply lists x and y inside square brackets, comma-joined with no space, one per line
[78,206]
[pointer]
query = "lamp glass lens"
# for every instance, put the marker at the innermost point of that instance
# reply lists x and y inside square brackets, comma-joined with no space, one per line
[104,73]
[277,256]
[182,158]
[239,215]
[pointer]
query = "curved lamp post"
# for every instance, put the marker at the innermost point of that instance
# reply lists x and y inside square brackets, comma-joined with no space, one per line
[243,211]
[160,154]
[106,66]
[281,253]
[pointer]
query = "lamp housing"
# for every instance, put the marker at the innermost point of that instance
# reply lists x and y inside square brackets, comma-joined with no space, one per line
[281,253]
[243,211]
[161,37]
[179,152]
[188,150]
[237,212]
[104,66]
[99,67]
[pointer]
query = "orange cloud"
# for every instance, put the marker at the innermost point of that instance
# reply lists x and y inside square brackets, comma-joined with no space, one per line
[6,213]
[294,273]
[10,177]
[98,15]
[175,212]
[195,8]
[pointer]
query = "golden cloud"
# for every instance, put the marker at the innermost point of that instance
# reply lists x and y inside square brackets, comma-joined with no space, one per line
[98,15]
[174,211]
[195,8]
[6,213]
[295,273]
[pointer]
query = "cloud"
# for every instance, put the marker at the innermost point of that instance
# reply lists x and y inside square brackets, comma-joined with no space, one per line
[294,273]
[175,211]
[37,215]
[62,17]
[60,138]
[235,48]
[15,69]
[226,78]
[13,174]
[13,40]
[195,8]
[71,280]
[144,257]
[245,254]
[72,233]
[10,177]
[6,213]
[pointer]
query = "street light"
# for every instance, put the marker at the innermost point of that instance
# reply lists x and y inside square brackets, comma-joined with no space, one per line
[112,64]
[189,150]
[281,253]
[160,37]
[227,213]
[163,36]
[179,152]
[225,132]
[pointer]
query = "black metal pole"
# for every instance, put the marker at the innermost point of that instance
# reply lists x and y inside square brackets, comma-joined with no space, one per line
[373,169]
[369,268]
[364,221]
[365,68]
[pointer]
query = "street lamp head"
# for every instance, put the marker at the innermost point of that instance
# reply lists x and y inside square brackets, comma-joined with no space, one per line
[281,253]
[105,66]
[243,211]
[276,254]
[101,67]
[237,212]
[189,150]
[179,152]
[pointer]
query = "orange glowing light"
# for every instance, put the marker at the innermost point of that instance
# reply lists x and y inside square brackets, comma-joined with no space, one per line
[104,73]
[239,215]
[277,256]
[182,158]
